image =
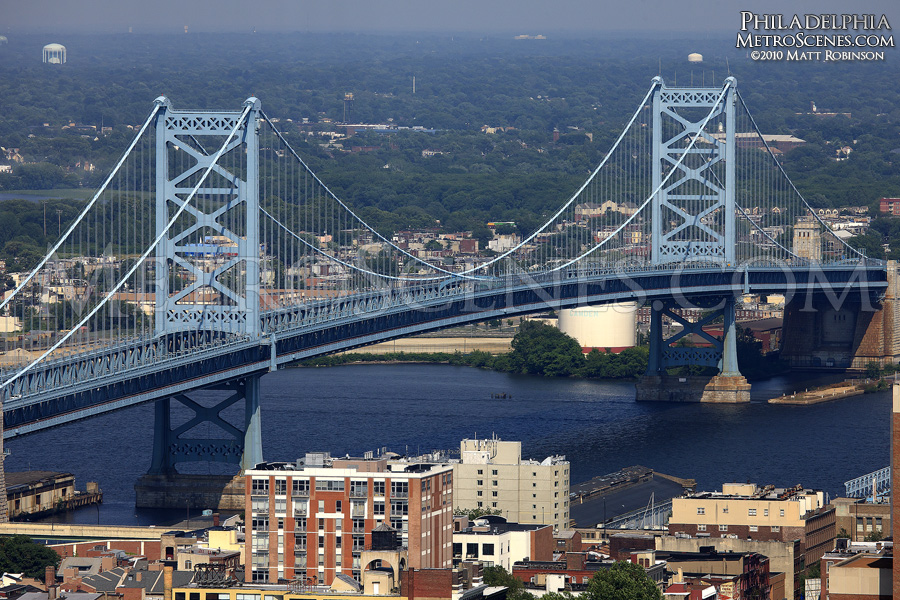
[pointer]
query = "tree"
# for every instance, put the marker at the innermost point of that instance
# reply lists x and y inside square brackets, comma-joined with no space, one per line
[501,577]
[623,581]
[540,349]
[474,513]
[19,554]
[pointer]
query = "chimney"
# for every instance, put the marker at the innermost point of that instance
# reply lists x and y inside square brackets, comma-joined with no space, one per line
[167,582]
[215,519]
[50,576]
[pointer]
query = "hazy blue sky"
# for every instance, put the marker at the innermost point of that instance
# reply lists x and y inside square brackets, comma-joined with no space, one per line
[521,16]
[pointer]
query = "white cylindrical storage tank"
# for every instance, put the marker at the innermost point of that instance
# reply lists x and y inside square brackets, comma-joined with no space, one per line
[695,57]
[55,54]
[605,326]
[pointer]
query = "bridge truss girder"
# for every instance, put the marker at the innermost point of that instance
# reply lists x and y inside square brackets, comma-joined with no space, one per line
[243,447]
[720,353]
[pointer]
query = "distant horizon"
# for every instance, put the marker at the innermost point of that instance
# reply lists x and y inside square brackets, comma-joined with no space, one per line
[636,34]
[478,17]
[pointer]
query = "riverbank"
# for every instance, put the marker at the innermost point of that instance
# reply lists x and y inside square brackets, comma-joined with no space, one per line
[835,391]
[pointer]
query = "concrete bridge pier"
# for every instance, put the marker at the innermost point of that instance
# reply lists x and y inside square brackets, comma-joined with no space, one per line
[164,487]
[728,386]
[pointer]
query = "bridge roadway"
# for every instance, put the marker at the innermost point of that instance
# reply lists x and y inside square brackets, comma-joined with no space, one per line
[72,388]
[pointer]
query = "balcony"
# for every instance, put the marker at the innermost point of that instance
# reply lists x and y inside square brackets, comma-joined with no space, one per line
[359,493]
[358,511]
[400,494]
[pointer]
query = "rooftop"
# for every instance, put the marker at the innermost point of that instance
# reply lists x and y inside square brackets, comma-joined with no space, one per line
[750,491]
[497,528]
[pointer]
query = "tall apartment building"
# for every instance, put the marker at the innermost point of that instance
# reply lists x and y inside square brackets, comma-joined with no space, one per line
[747,512]
[492,475]
[312,520]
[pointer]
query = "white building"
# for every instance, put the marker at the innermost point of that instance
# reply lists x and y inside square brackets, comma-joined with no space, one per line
[495,543]
[492,475]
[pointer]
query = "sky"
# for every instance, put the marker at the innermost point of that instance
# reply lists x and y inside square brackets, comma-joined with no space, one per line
[390,16]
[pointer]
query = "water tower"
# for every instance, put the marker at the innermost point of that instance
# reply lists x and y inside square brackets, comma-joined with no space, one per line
[55,54]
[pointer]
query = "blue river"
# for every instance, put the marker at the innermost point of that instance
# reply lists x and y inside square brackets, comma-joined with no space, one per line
[418,408]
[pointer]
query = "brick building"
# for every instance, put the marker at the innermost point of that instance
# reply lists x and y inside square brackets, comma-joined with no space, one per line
[861,518]
[890,206]
[313,520]
[744,511]
[738,575]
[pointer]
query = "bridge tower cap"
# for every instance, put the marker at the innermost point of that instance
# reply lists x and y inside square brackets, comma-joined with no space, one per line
[253,101]
[162,100]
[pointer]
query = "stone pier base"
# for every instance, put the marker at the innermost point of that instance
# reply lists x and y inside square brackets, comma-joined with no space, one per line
[718,389]
[215,492]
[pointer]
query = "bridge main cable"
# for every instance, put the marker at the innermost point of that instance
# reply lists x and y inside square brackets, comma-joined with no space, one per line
[156,106]
[247,108]
[728,83]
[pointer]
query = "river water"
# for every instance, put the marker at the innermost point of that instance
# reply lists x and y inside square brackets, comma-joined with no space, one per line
[418,408]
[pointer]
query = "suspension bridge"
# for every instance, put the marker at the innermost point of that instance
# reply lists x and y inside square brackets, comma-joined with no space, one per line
[212,254]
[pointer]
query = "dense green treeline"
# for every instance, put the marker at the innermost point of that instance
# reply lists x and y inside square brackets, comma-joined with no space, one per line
[541,349]
[585,88]
[537,349]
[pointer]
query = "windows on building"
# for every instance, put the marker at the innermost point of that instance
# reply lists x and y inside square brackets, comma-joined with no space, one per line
[378,488]
[280,487]
[723,527]
[300,487]
[399,489]
[329,485]
[701,510]
[259,486]
[751,512]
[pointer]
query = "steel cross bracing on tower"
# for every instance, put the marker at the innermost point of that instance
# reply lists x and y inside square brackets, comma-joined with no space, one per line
[248,261]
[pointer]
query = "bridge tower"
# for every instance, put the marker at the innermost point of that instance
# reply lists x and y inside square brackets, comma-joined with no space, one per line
[207,282]
[693,220]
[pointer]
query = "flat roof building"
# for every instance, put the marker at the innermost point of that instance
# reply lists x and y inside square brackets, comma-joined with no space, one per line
[494,542]
[313,519]
[747,512]
[491,474]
